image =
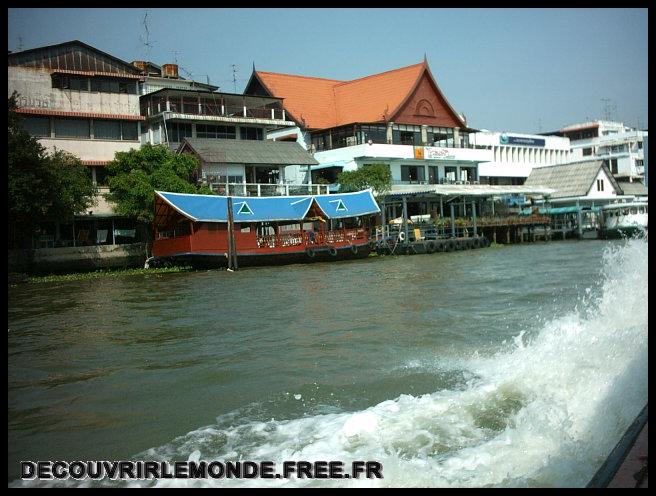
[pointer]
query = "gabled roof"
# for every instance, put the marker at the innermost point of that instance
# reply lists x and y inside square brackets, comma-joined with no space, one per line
[570,180]
[318,103]
[214,208]
[230,151]
[635,188]
[31,57]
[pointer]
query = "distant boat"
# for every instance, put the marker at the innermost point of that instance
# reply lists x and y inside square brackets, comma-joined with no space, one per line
[623,219]
[196,229]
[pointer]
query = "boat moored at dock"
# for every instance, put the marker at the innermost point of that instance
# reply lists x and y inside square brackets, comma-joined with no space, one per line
[219,231]
[623,219]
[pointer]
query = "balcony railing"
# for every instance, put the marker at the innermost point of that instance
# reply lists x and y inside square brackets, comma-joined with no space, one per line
[214,110]
[256,189]
[306,238]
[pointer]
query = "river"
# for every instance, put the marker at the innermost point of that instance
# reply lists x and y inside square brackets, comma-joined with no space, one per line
[515,366]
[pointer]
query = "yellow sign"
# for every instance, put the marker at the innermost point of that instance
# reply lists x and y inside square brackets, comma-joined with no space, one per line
[419,152]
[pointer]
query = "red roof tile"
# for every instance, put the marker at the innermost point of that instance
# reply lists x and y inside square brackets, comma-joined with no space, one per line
[323,103]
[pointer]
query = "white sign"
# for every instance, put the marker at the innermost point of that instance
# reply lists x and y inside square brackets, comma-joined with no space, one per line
[441,153]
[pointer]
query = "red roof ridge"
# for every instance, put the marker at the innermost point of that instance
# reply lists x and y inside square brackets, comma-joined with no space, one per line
[379,74]
[299,76]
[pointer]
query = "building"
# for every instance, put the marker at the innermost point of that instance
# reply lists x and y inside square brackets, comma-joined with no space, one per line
[248,167]
[82,100]
[399,117]
[578,183]
[514,155]
[155,77]
[618,146]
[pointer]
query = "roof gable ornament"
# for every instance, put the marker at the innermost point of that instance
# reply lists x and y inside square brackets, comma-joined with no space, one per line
[340,207]
[244,209]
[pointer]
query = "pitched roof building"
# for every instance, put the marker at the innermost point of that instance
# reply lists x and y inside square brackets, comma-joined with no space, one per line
[399,117]
[589,180]
[408,94]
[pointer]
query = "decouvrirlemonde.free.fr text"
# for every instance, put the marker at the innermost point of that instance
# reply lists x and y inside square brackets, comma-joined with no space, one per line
[125,469]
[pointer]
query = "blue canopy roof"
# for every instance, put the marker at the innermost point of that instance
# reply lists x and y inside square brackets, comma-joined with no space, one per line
[213,208]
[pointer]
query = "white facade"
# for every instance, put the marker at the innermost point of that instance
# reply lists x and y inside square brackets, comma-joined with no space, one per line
[514,155]
[619,146]
[408,164]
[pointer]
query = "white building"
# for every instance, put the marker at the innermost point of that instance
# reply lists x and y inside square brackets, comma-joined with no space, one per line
[514,155]
[618,146]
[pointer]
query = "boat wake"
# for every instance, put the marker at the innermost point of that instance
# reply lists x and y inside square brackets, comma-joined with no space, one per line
[545,411]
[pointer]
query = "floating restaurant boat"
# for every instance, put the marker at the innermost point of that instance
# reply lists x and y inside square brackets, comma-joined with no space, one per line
[219,231]
[623,219]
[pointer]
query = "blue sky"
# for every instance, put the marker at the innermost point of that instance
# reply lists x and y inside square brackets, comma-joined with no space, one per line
[514,70]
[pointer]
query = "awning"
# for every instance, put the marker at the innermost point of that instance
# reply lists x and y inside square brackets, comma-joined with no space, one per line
[214,208]
[329,165]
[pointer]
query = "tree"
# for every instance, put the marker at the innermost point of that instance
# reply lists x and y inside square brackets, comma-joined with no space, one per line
[133,177]
[375,176]
[41,187]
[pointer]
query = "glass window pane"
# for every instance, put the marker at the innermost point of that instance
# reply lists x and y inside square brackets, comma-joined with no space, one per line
[110,130]
[130,130]
[37,126]
[72,128]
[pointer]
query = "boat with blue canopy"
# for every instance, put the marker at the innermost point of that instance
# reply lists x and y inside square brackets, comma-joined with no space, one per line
[205,230]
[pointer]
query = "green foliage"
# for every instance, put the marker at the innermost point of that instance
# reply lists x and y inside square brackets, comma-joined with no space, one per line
[42,187]
[133,177]
[79,276]
[375,176]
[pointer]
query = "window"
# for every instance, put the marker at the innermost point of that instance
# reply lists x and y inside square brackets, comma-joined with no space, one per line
[600,184]
[412,173]
[101,176]
[114,130]
[209,131]
[72,128]
[130,131]
[178,131]
[251,133]
[375,134]
[235,179]
[79,84]
[432,174]
[37,126]
[613,166]
[639,145]
[110,130]
[587,151]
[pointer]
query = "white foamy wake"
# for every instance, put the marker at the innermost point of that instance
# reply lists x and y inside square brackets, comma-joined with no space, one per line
[545,412]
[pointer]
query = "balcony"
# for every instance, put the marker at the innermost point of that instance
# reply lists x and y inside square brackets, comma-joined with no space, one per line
[225,107]
[258,189]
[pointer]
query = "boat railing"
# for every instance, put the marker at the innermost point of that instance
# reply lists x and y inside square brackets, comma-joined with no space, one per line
[311,238]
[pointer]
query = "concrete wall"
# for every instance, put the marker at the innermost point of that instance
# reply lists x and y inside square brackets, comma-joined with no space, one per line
[76,259]
[36,91]
[89,149]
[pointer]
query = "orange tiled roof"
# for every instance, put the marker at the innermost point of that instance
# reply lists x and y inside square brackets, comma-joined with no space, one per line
[324,103]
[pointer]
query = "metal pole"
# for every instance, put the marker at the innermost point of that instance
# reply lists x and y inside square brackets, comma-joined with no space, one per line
[113,236]
[474,216]
[232,256]
[453,221]
[74,231]
[405,217]
[383,218]
[579,219]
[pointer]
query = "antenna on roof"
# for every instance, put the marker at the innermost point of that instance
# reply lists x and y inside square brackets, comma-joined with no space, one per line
[606,108]
[145,39]
[425,59]
[253,66]
[234,76]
